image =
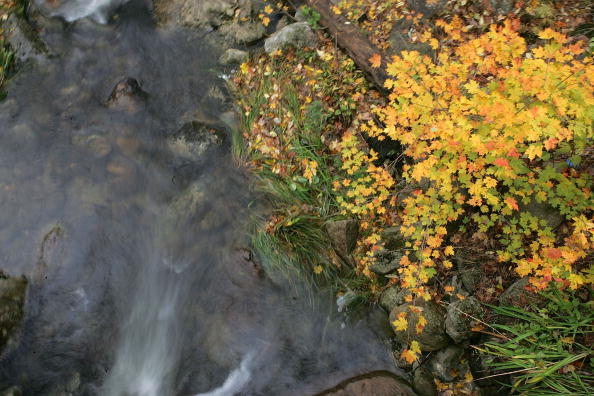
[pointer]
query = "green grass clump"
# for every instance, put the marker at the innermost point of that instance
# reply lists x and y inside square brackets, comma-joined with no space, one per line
[6,61]
[547,352]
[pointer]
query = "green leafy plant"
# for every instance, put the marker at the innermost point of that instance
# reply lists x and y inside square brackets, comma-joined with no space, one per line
[547,352]
[311,15]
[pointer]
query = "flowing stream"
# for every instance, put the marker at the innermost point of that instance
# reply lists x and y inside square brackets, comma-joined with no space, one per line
[132,237]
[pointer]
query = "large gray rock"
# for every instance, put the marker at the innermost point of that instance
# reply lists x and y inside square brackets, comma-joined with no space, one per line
[12,298]
[373,384]
[298,35]
[243,32]
[459,319]
[233,56]
[433,337]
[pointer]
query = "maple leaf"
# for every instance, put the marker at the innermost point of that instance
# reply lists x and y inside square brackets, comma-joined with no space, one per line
[400,324]
[375,60]
[409,356]
[501,162]
[553,253]
[512,203]
[448,251]
[420,324]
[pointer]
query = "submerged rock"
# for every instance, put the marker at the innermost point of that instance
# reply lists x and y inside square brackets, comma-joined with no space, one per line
[126,95]
[97,145]
[193,139]
[433,337]
[298,35]
[12,299]
[373,384]
[459,318]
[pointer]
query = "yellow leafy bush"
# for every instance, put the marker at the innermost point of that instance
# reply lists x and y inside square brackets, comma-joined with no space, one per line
[491,126]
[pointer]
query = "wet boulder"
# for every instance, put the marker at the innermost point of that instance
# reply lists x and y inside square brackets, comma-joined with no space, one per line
[372,384]
[297,35]
[461,316]
[12,299]
[433,337]
[126,95]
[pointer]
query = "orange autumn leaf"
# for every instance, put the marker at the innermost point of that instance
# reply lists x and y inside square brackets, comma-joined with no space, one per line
[553,253]
[375,60]
[409,356]
[512,203]
[501,162]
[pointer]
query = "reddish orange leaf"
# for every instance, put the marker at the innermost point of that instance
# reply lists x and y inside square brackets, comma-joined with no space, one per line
[553,253]
[501,162]
[512,203]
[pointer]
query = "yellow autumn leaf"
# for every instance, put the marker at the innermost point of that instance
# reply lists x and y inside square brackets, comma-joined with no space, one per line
[400,323]
[448,251]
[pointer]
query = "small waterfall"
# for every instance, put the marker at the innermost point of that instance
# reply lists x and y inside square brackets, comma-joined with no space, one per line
[148,351]
[98,10]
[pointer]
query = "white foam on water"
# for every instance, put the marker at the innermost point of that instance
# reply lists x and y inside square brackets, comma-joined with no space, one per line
[98,10]
[235,381]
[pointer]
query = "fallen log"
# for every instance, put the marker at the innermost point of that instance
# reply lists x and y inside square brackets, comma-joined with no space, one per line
[349,38]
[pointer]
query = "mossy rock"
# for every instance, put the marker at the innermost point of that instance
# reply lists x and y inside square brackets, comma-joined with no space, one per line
[433,337]
[459,318]
[12,299]
[392,297]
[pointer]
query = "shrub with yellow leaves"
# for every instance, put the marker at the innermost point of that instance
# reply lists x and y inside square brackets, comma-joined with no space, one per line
[490,127]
